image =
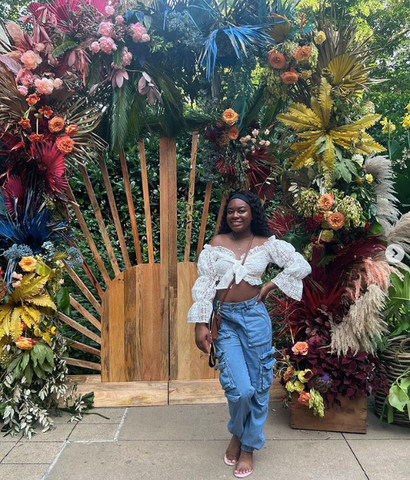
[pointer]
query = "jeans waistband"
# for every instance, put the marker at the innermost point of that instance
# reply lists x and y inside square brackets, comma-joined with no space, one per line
[237,305]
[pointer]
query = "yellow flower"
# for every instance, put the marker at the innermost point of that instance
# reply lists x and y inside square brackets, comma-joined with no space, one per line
[388,126]
[408,107]
[299,387]
[230,117]
[309,162]
[406,121]
[305,375]
[369,178]
[28,264]
[53,330]
[359,179]
[290,387]
[320,37]
[37,332]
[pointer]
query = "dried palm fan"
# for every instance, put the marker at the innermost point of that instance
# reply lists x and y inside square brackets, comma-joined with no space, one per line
[12,103]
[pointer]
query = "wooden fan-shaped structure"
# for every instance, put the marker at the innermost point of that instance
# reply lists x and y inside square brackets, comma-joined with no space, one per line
[147,347]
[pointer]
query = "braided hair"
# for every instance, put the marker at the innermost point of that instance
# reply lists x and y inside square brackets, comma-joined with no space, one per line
[259,224]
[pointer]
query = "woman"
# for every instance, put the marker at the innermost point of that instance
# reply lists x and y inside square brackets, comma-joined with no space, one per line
[244,344]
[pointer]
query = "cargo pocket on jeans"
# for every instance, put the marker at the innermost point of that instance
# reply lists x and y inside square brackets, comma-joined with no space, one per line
[226,378]
[266,362]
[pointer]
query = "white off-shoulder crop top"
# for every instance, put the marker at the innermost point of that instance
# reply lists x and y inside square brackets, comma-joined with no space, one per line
[217,266]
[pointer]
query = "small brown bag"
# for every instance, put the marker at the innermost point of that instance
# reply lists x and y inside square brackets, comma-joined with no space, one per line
[216,317]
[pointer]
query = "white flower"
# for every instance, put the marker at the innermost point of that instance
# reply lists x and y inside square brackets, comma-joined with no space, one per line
[253,140]
[255,132]
[262,142]
[267,131]
[358,159]
[267,143]
[247,138]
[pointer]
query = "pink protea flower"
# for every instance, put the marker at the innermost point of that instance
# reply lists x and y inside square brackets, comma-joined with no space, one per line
[16,33]
[31,60]
[119,19]
[44,86]
[107,45]
[109,10]
[106,29]
[58,83]
[23,90]
[95,47]
[126,57]
[145,38]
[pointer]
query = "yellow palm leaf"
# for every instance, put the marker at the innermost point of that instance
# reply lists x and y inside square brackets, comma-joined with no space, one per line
[325,101]
[364,122]
[307,153]
[34,314]
[42,301]
[14,324]
[349,75]
[329,153]
[300,117]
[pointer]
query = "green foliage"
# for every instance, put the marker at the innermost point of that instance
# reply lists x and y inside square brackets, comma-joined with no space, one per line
[398,305]
[399,396]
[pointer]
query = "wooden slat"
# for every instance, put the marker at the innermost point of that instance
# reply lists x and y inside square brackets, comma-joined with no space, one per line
[147,207]
[83,288]
[100,220]
[88,333]
[83,347]
[85,313]
[92,278]
[191,194]
[83,363]
[114,212]
[205,212]
[131,207]
[88,237]
[220,213]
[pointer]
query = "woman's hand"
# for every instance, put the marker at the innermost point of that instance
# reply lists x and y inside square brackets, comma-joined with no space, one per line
[203,337]
[264,291]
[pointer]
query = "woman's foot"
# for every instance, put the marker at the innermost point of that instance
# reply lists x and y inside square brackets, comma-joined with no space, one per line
[244,467]
[233,451]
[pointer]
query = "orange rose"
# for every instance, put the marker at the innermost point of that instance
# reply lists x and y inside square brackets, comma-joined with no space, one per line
[336,220]
[24,343]
[56,124]
[230,117]
[300,348]
[304,398]
[302,53]
[233,133]
[326,202]
[65,144]
[45,111]
[288,374]
[25,123]
[71,129]
[276,59]
[32,99]
[290,77]
[28,264]
[36,137]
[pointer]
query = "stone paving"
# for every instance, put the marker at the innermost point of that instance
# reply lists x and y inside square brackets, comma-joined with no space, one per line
[186,442]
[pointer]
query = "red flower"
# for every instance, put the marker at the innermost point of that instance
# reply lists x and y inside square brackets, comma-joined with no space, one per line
[32,99]
[276,59]
[71,130]
[51,162]
[46,111]
[36,137]
[304,398]
[65,144]
[25,123]
[290,77]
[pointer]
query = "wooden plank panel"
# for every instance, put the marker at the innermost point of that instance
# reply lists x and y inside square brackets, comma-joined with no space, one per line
[132,354]
[85,313]
[88,237]
[204,219]
[191,194]
[116,340]
[83,289]
[114,212]
[131,208]
[83,347]
[147,206]
[100,220]
[88,333]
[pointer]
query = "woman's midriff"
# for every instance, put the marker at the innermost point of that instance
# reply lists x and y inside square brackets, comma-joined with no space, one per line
[239,293]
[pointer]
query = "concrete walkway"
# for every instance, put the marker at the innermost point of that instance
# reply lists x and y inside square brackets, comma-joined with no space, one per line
[188,441]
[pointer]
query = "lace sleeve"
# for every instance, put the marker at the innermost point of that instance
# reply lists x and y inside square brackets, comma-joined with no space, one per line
[295,267]
[204,289]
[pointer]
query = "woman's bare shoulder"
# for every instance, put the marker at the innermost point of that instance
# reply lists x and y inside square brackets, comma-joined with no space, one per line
[220,240]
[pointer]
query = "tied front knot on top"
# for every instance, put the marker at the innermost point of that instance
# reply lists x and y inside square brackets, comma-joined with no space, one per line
[237,271]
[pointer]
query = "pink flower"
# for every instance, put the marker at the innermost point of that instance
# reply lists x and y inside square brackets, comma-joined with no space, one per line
[109,10]
[138,31]
[16,33]
[31,59]
[95,47]
[17,276]
[44,86]
[126,57]
[16,284]
[106,29]
[118,77]
[40,47]
[26,77]
[58,83]
[145,38]
[300,348]
[23,90]
[107,45]
[290,77]
[119,19]
[61,281]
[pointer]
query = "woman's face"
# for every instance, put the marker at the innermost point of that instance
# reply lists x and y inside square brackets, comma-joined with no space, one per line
[238,216]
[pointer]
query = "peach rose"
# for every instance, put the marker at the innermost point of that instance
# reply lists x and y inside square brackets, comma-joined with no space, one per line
[300,348]
[304,398]
[233,133]
[326,202]
[276,59]
[290,77]
[65,144]
[22,90]
[28,264]
[288,373]
[30,59]
[230,117]
[336,220]
[56,124]
[302,53]
[71,130]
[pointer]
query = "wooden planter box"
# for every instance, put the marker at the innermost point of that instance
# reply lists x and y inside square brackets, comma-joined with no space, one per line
[349,417]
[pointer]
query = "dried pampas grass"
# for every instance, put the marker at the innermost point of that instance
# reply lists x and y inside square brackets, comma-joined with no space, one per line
[381,169]
[400,234]
[362,325]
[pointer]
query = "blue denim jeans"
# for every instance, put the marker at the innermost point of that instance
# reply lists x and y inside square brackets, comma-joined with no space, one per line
[245,363]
